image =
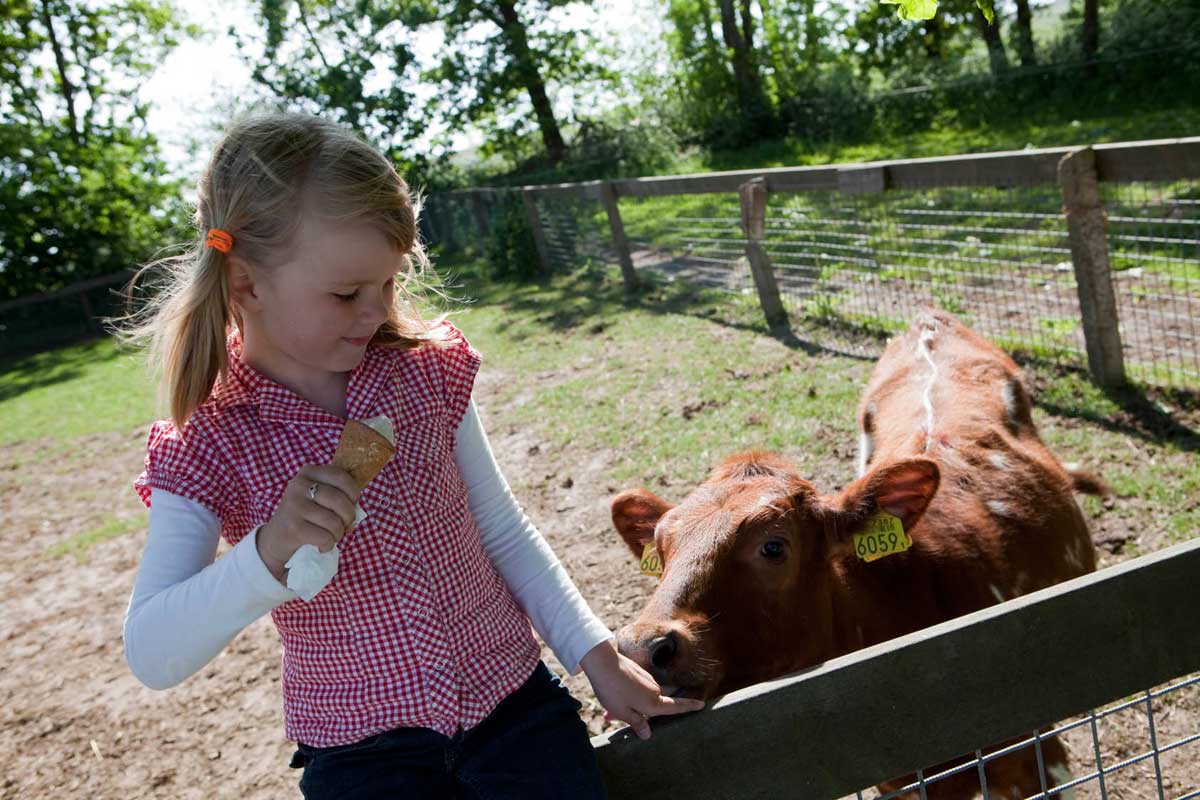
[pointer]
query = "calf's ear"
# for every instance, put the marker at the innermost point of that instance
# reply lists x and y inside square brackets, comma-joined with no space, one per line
[635,513]
[901,488]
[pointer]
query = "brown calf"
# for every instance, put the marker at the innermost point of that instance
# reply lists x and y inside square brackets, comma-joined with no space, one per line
[760,573]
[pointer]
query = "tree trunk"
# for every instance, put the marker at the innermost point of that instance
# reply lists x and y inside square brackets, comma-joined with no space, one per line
[1025,34]
[68,91]
[812,36]
[751,101]
[991,36]
[1091,33]
[516,44]
[932,40]
[710,41]
[747,25]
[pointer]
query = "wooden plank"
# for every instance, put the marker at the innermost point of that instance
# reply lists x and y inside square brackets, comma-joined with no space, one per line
[782,179]
[1087,230]
[1002,169]
[1159,160]
[929,696]
[609,198]
[67,291]
[752,195]
[1164,159]
[862,180]
[589,190]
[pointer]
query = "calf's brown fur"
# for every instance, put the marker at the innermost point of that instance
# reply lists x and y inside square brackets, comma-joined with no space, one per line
[760,578]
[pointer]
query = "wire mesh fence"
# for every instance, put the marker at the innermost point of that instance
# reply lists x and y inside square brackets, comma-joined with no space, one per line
[1143,746]
[985,239]
[64,316]
[575,230]
[697,239]
[997,257]
[1154,247]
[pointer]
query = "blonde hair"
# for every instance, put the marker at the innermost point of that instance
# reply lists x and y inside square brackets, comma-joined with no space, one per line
[265,169]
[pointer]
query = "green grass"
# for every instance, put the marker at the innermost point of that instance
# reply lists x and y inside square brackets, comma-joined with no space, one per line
[80,544]
[1046,129]
[80,389]
[673,380]
[669,382]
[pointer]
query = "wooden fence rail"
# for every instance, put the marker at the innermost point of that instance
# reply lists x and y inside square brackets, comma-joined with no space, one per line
[930,696]
[1077,171]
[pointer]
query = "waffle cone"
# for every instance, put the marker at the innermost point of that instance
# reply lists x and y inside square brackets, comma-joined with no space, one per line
[362,452]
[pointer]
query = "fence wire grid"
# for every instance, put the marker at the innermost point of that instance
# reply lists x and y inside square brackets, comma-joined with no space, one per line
[1154,252]
[1143,746]
[856,267]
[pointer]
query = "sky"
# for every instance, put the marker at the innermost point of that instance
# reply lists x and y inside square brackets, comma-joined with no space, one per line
[202,79]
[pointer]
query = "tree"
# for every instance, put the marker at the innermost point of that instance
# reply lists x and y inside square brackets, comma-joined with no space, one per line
[1025,34]
[83,189]
[483,83]
[321,57]
[1091,33]
[324,54]
[989,30]
[720,82]
[737,29]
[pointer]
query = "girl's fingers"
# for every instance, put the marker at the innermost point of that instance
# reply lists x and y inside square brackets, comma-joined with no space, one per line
[640,724]
[325,519]
[333,498]
[676,705]
[334,478]
[321,538]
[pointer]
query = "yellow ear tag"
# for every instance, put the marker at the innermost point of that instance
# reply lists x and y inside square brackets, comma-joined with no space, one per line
[882,535]
[650,563]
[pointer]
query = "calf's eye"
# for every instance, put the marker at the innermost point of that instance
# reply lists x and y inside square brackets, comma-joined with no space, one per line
[773,550]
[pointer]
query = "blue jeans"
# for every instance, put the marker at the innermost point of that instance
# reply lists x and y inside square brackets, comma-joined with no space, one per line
[532,745]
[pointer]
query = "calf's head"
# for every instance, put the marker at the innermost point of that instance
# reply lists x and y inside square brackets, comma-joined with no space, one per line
[750,561]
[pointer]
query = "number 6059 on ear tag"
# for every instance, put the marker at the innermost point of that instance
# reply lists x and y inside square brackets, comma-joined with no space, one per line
[882,535]
[651,564]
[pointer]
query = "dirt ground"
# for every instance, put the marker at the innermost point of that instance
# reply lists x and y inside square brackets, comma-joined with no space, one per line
[76,723]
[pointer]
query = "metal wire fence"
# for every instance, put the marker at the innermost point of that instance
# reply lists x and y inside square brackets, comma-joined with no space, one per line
[1142,746]
[702,242]
[1154,246]
[984,237]
[575,230]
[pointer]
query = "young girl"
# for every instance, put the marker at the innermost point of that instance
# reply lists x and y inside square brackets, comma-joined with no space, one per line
[414,669]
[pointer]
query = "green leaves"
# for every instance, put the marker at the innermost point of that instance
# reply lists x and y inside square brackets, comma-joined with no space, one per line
[925,9]
[913,9]
[82,186]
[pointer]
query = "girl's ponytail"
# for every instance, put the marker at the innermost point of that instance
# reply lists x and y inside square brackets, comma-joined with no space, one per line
[185,325]
[197,350]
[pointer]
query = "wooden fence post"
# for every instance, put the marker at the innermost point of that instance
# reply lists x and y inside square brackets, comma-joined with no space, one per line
[535,224]
[1087,230]
[427,222]
[753,197]
[608,196]
[480,211]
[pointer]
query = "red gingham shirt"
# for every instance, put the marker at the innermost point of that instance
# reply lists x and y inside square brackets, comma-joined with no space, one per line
[416,628]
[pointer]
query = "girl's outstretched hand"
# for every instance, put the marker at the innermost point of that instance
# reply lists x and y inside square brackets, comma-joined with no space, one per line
[321,519]
[627,691]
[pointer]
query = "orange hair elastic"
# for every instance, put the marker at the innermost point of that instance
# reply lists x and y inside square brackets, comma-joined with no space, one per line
[219,239]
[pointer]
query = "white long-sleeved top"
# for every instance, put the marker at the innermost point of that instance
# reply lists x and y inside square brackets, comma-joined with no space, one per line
[186,604]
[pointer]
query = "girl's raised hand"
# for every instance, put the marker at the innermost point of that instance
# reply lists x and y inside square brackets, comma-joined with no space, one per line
[627,691]
[320,520]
